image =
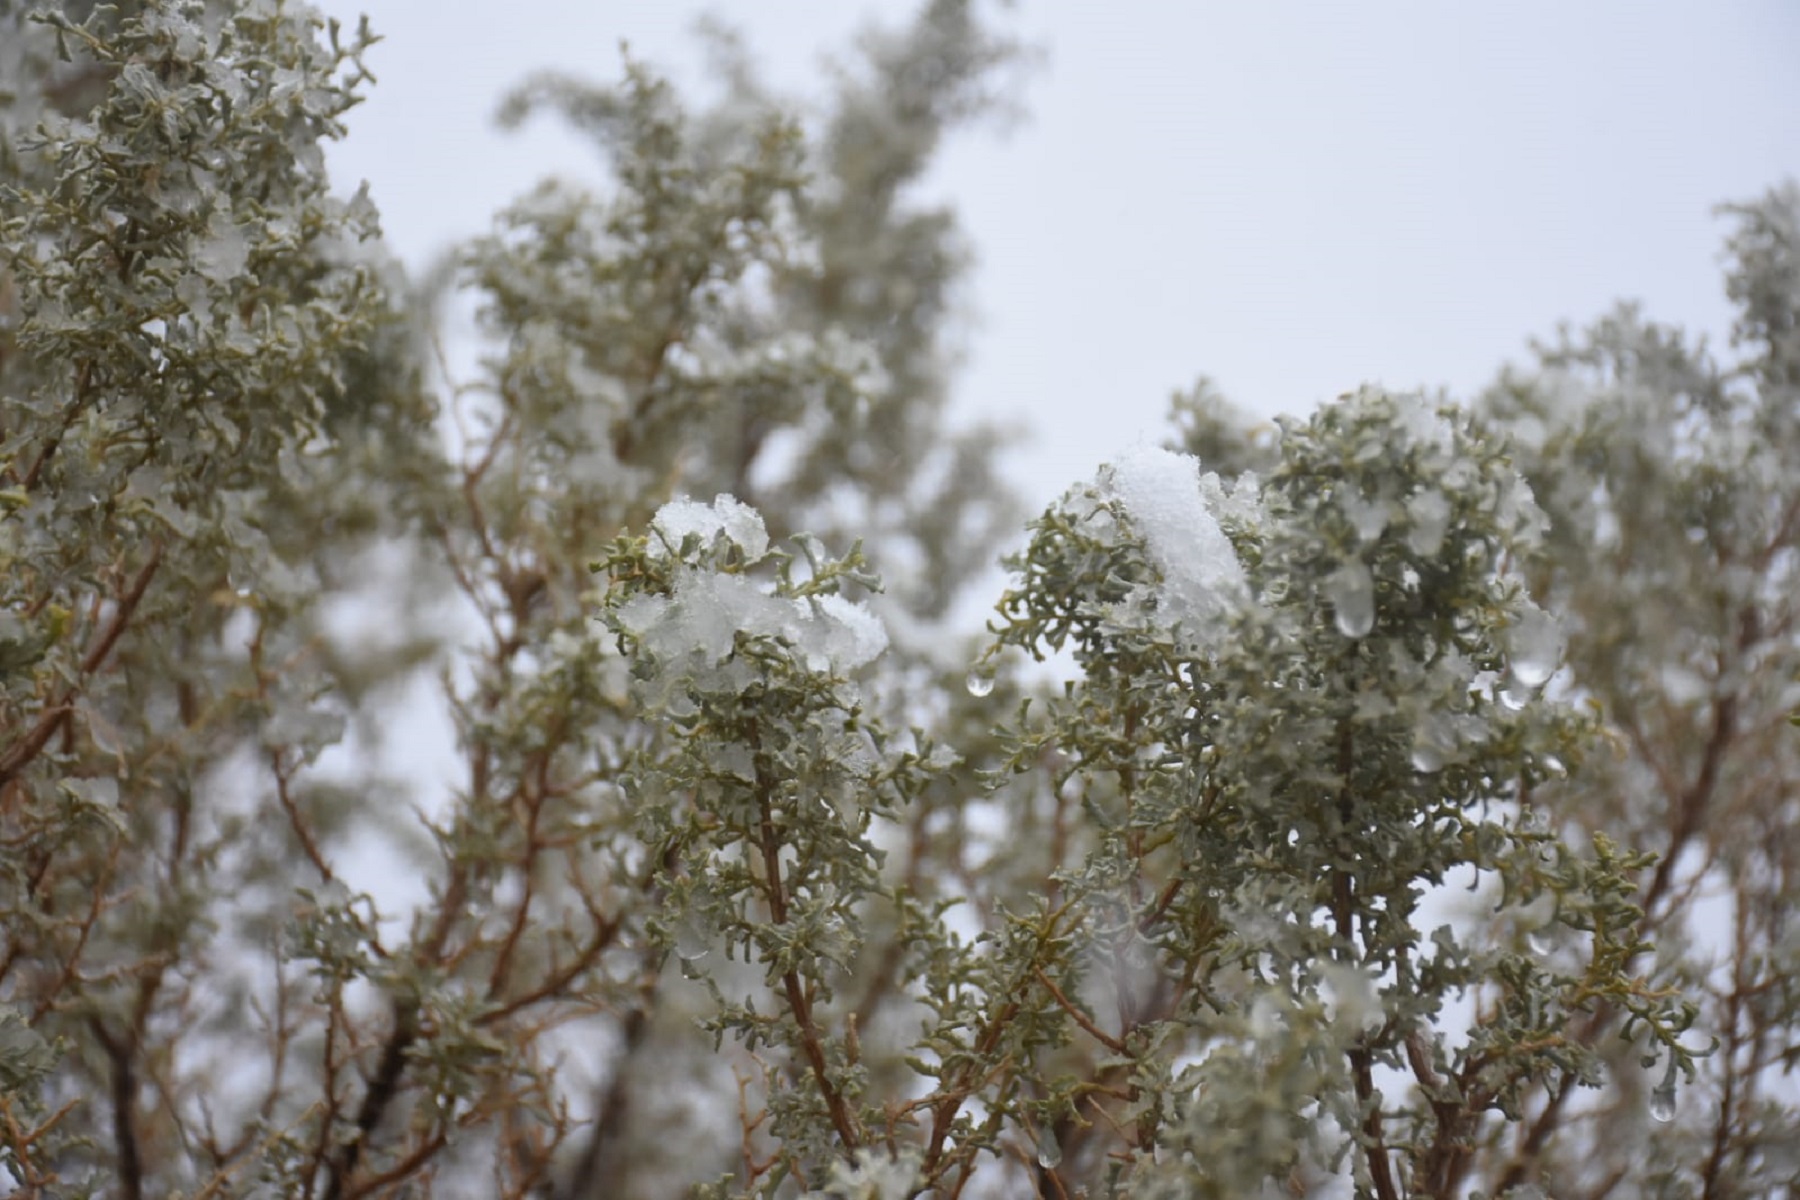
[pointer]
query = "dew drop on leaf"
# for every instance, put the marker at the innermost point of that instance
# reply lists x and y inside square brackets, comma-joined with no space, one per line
[980,682]
[1049,1150]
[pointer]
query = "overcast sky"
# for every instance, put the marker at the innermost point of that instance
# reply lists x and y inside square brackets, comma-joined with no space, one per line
[1292,198]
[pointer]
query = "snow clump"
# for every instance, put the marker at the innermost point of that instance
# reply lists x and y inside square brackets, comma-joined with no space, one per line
[707,609]
[741,525]
[1165,499]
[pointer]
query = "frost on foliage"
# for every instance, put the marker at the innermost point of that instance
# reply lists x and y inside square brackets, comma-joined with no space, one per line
[707,609]
[741,525]
[874,1176]
[1166,500]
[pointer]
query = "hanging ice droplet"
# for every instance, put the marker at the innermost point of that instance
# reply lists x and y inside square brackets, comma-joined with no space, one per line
[1662,1100]
[1351,591]
[691,942]
[980,682]
[1536,645]
[1435,743]
[1049,1150]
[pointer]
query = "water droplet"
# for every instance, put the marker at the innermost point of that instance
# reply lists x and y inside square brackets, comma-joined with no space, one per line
[1429,513]
[1351,591]
[1662,1101]
[1435,743]
[1369,517]
[1516,695]
[980,682]
[1426,759]
[1536,645]
[1049,1150]
[691,942]
[1540,945]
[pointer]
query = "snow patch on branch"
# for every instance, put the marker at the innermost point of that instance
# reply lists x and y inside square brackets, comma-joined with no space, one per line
[707,608]
[741,525]
[1165,498]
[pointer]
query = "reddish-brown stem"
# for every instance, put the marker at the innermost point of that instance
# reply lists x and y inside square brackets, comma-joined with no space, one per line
[798,1001]
[22,752]
[1077,1015]
[1343,886]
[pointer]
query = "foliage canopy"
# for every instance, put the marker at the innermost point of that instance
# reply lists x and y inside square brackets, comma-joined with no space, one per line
[1372,830]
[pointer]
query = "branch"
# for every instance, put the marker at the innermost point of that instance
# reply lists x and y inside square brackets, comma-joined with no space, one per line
[811,1045]
[382,1090]
[1080,1018]
[124,1116]
[1381,1171]
[19,755]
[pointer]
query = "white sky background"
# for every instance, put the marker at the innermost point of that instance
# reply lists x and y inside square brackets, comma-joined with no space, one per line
[1292,198]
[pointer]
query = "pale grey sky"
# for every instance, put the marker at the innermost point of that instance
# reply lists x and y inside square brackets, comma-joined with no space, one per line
[1293,198]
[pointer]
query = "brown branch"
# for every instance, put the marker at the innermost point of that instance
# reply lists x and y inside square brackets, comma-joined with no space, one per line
[20,1142]
[1711,1173]
[1079,1017]
[515,932]
[72,962]
[20,754]
[798,1000]
[123,1095]
[420,1155]
[1344,913]
[1691,805]
[597,1174]
[382,1089]
[1446,1160]
[83,375]
[945,1105]
[284,794]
